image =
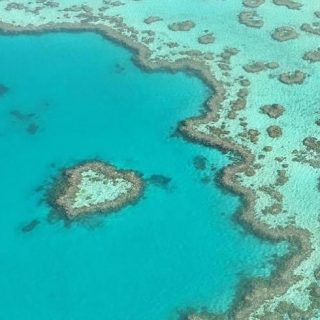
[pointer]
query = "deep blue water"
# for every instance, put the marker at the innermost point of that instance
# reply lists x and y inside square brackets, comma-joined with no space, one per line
[74,97]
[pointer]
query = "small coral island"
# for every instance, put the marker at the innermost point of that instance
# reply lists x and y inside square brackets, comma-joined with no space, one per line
[94,187]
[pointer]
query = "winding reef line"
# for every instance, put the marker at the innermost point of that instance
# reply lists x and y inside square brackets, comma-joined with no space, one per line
[257,291]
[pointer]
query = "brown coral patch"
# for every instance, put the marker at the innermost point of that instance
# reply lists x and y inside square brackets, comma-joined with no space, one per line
[296,77]
[290,4]
[250,19]
[253,3]
[313,28]
[273,110]
[152,19]
[284,34]
[206,38]
[274,131]
[63,194]
[312,56]
[258,66]
[186,25]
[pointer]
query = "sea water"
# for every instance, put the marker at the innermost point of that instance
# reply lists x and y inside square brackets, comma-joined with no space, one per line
[75,97]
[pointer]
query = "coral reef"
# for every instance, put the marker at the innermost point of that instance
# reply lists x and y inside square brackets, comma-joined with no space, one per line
[260,66]
[253,3]
[250,19]
[273,110]
[232,120]
[312,56]
[152,19]
[94,187]
[313,28]
[182,26]
[296,77]
[284,34]
[290,4]
[206,38]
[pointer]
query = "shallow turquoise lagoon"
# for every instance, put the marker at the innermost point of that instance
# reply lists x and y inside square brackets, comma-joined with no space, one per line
[74,97]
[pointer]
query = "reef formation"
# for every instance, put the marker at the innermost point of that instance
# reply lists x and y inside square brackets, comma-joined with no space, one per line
[94,187]
[277,167]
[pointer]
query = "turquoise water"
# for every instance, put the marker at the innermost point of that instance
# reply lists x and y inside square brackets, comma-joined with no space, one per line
[80,97]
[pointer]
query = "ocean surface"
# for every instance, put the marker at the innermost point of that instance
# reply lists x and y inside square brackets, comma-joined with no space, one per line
[75,97]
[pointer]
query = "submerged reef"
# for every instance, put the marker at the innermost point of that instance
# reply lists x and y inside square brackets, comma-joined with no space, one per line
[30,226]
[3,89]
[276,205]
[94,187]
[32,128]
[26,119]
[159,180]
[200,162]
[21,116]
